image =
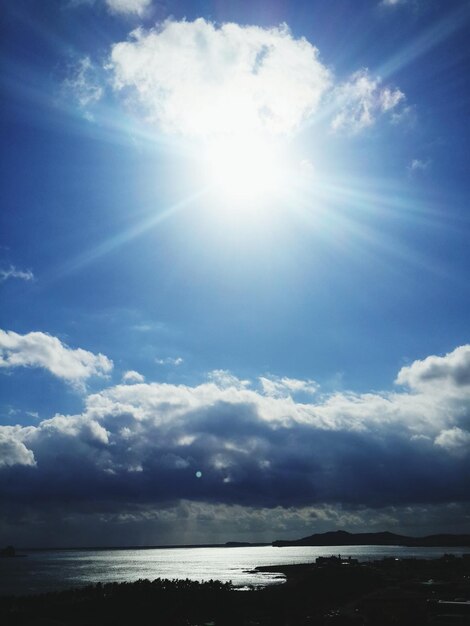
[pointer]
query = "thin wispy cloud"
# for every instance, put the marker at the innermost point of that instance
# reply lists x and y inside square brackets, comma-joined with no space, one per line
[418,165]
[83,83]
[133,8]
[13,272]
[170,360]
[392,3]
[361,100]
[136,7]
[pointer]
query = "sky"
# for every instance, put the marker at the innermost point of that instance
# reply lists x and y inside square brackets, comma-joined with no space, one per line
[234,270]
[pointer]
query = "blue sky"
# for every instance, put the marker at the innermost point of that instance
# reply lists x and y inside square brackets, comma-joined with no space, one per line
[234,240]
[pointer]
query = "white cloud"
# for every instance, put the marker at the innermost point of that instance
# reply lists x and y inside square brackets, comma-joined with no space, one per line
[197,79]
[132,376]
[12,450]
[278,387]
[39,349]
[170,361]
[138,7]
[83,428]
[13,272]
[449,372]
[455,440]
[226,380]
[417,165]
[361,100]
[405,115]
[84,83]
[392,2]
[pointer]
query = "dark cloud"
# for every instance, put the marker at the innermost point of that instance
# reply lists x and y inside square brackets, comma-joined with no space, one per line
[141,445]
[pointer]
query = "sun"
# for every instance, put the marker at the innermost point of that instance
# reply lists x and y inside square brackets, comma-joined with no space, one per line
[244,172]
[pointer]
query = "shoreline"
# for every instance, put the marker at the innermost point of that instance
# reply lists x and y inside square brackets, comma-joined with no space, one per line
[414,591]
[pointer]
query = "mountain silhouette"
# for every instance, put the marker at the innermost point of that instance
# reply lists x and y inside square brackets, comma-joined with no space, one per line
[343,538]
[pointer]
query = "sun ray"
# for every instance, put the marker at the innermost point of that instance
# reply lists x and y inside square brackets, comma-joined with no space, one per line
[120,239]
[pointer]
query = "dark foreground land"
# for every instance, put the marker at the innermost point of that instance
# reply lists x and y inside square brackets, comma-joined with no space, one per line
[331,592]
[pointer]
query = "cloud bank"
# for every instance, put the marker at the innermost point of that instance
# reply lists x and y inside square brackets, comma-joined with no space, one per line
[141,445]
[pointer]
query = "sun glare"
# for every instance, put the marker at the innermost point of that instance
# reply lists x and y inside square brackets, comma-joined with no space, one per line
[244,172]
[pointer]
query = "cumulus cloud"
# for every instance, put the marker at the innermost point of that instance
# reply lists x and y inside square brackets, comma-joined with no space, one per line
[14,272]
[440,372]
[37,349]
[147,442]
[197,79]
[138,448]
[132,377]
[455,440]
[12,450]
[361,100]
[137,7]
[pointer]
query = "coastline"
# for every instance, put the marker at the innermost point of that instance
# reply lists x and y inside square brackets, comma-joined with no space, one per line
[330,591]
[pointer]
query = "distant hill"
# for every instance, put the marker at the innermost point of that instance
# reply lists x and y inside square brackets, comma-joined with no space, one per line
[343,538]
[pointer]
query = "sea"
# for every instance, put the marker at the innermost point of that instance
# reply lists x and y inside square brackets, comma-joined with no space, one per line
[54,570]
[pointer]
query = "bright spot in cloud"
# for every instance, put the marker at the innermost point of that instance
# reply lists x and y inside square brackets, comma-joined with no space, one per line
[239,94]
[200,80]
[236,90]
[198,474]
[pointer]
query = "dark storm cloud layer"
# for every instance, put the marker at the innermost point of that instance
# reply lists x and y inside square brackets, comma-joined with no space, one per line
[304,467]
[144,444]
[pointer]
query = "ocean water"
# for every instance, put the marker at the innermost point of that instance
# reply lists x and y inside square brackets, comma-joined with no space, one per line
[54,570]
